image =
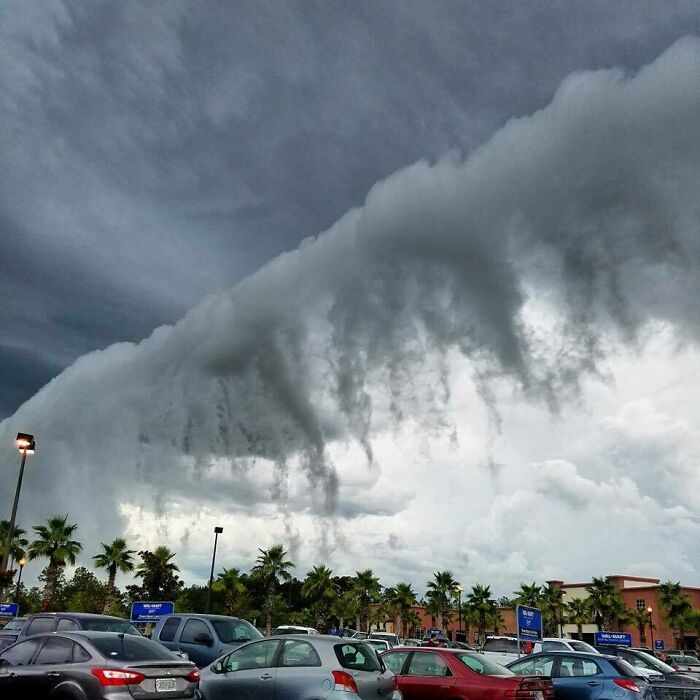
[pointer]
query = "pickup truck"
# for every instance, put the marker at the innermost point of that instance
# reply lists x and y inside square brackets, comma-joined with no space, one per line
[204,638]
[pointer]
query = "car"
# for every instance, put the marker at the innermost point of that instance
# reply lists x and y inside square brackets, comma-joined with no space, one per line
[14,625]
[40,623]
[683,663]
[561,644]
[412,643]
[583,676]
[293,629]
[359,635]
[203,638]
[455,674]
[647,664]
[503,650]
[95,665]
[389,637]
[379,645]
[298,667]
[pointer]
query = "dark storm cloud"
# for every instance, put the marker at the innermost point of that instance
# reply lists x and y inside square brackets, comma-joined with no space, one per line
[153,152]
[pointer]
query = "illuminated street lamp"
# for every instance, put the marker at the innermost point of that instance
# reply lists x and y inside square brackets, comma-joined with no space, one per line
[217,532]
[21,563]
[650,610]
[26,445]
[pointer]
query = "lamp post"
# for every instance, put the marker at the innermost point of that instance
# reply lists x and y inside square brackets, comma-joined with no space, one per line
[217,532]
[26,446]
[21,563]
[459,608]
[650,610]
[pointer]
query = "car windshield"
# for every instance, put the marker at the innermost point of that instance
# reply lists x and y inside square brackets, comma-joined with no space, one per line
[124,648]
[483,665]
[576,645]
[13,625]
[235,631]
[624,668]
[653,662]
[121,626]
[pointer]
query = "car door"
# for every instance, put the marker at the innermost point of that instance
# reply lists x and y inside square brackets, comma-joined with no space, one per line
[247,673]
[197,639]
[167,633]
[51,665]
[427,677]
[17,679]
[577,678]
[299,669]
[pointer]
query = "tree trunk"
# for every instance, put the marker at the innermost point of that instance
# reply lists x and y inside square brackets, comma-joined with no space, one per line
[580,630]
[358,623]
[397,625]
[268,625]
[50,586]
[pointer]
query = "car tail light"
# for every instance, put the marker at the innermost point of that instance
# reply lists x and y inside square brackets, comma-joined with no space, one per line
[627,684]
[344,682]
[116,676]
[193,676]
[526,689]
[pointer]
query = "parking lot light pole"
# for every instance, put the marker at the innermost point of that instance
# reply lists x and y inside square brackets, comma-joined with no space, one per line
[650,610]
[217,532]
[459,607]
[21,563]
[26,446]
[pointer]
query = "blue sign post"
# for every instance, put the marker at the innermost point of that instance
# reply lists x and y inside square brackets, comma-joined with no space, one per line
[529,624]
[9,609]
[145,611]
[659,644]
[617,639]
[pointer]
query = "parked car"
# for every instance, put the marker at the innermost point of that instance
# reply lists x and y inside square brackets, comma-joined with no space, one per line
[454,674]
[41,623]
[503,650]
[379,645]
[582,676]
[297,668]
[14,625]
[293,629]
[683,663]
[389,637]
[203,638]
[93,665]
[561,644]
[648,665]
[412,643]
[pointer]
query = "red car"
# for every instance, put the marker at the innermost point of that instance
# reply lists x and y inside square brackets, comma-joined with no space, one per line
[454,674]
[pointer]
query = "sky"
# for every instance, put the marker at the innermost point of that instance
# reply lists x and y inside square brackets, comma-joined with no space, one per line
[401,285]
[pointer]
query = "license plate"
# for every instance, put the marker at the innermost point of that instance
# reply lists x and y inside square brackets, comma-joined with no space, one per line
[163,685]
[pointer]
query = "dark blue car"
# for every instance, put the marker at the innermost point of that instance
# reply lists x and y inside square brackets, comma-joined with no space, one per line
[584,676]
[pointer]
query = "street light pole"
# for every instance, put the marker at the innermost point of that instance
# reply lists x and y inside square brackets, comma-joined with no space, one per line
[26,445]
[651,626]
[217,532]
[21,563]
[459,607]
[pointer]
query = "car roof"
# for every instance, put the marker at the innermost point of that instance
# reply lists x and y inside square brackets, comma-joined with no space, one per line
[78,616]
[202,616]
[562,652]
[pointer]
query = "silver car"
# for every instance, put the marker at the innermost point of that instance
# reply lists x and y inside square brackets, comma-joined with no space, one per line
[299,667]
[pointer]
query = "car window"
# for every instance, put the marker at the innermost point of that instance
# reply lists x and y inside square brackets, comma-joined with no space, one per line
[357,656]
[554,646]
[624,668]
[66,625]
[129,648]
[110,625]
[573,666]
[502,645]
[20,654]
[56,650]
[235,631]
[395,660]
[537,666]
[257,655]
[482,665]
[427,663]
[578,645]
[167,632]
[80,654]
[192,628]
[296,653]
[39,625]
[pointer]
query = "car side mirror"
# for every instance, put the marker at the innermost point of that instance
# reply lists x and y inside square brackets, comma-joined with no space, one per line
[203,638]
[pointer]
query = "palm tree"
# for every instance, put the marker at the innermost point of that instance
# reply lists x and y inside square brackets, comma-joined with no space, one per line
[529,595]
[271,568]
[159,574]
[676,607]
[495,621]
[368,590]
[601,601]
[230,582]
[346,607]
[400,600]
[480,603]
[579,613]
[552,604]
[54,541]
[412,622]
[115,557]
[441,594]
[640,618]
[320,589]
[17,547]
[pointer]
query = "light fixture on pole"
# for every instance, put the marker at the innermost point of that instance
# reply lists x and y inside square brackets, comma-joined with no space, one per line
[650,610]
[459,607]
[217,531]
[26,446]
[21,563]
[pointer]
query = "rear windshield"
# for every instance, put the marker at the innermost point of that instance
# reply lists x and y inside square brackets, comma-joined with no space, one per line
[483,665]
[505,645]
[581,646]
[235,631]
[125,648]
[652,662]
[110,626]
[624,668]
[357,657]
[289,630]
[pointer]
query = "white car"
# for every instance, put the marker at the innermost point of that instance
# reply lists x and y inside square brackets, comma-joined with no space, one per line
[389,637]
[293,629]
[559,644]
[502,650]
[379,645]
